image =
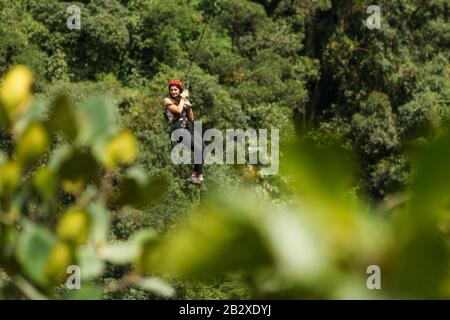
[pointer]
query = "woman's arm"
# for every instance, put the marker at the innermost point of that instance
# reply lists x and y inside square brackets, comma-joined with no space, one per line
[173,107]
[190,115]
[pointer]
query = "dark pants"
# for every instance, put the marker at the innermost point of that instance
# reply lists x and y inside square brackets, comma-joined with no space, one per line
[196,145]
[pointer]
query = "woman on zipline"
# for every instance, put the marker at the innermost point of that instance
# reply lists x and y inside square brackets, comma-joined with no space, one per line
[179,112]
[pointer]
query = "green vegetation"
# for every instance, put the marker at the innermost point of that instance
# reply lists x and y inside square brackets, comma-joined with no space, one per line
[85,171]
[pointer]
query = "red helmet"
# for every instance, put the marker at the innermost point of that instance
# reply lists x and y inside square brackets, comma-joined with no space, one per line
[177,83]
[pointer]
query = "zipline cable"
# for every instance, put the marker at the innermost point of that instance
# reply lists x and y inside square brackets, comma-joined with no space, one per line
[192,59]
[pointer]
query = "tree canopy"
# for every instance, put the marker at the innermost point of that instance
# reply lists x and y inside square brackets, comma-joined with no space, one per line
[85,166]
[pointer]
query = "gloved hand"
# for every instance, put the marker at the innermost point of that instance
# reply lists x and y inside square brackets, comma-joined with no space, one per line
[185,94]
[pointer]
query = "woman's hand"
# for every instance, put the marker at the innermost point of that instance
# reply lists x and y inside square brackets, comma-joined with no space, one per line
[185,94]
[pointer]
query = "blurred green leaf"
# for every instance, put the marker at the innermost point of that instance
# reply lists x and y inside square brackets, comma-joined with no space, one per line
[218,241]
[298,249]
[74,226]
[10,176]
[61,118]
[135,189]
[28,289]
[60,258]
[128,251]
[99,223]
[89,262]
[45,183]
[33,250]
[121,149]
[156,286]
[32,144]
[77,169]
[323,180]
[18,203]
[120,253]
[4,119]
[15,91]
[97,118]
[34,114]
[320,172]
[418,246]
[3,157]
[87,292]
[432,177]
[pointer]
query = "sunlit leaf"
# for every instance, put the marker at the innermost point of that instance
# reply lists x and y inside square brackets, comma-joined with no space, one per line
[74,226]
[119,253]
[156,286]
[32,144]
[10,176]
[99,223]
[128,251]
[33,250]
[298,249]
[122,149]
[34,114]
[89,262]
[15,90]
[60,258]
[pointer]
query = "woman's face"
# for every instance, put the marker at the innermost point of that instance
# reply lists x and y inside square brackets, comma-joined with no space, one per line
[174,91]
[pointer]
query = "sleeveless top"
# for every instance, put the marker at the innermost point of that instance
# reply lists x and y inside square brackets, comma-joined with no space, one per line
[172,117]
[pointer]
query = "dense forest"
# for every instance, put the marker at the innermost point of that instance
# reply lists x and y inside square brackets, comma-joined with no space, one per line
[86,176]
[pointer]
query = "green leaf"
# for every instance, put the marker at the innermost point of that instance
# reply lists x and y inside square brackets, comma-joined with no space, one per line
[321,173]
[120,253]
[221,241]
[136,191]
[62,118]
[121,149]
[100,223]
[129,251]
[58,155]
[4,119]
[432,177]
[3,157]
[30,291]
[35,113]
[19,201]
[77,169]
[33,249]
[87,292]
[89,262]
[97,118]
[15,91]
[32,144]
[10,176]
[156,286]
[45,183]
